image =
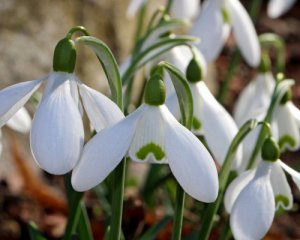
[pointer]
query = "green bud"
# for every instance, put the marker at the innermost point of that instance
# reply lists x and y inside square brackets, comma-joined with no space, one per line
[286,97]
[194,71]
[265,64]
[270,150]
[64,56]
[155,91]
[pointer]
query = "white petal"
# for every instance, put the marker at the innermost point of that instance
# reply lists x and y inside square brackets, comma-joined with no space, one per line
[295,175]
[1,145]
[148,141]
[295,112]
[253,211]
[21,121]
[255,98]
[235,188]
[56,135]
[184,9]
[244,33]
[211,29]
[104,152]
[190,162]
[287,128]
[134,7]
[276,8]
[14,97]
[281,188]
[198,103]
[218,126]
[101,111]
[173,106]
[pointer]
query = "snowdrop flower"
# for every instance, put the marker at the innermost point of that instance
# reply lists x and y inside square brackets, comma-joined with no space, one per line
[150,134]
[56,135]
[210,118]
[253,103]
[213,28]
[179,9]
[252,198]
[276,8]
[286,122]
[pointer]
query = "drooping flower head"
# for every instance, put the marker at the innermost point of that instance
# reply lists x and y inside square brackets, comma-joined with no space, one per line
[56,135]
[213,26]
[209,117]
[252,198]
[150,134]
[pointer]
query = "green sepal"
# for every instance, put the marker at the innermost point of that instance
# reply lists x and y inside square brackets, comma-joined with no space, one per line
[183,92]
[155,91]
[109,65]
[64,58]
[270,150]
[194,71]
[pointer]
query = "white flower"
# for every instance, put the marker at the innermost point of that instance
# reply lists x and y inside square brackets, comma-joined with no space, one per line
[286,123]
[253,103]
[252,198]
[150,134]
[179,9]
[213,27]
[57,134]
[210,119]
[276,8]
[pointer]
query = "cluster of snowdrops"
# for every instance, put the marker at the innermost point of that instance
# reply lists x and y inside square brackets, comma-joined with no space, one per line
[177,108]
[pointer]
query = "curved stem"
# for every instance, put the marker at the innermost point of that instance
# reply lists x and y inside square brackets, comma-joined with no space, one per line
[179,209]
[77,29]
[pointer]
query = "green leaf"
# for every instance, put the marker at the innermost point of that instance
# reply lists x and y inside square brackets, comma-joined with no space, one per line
[183,92]
[153,51]
[34,233]
[152,233]
[108,63]
[84,228]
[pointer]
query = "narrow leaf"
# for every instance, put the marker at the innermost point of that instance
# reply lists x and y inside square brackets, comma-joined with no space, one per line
[154,230]
[34,233]
[108,63]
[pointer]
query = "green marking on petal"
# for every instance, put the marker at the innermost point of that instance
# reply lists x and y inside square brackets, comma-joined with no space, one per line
[225,15]
[282,199]
[151,148]
[287,140]
[196,124]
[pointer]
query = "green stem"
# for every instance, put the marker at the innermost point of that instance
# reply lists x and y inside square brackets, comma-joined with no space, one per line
[140,22]
[212,208]
[169,5]
[226,233]
[179,209]
[117,200]
[77,29]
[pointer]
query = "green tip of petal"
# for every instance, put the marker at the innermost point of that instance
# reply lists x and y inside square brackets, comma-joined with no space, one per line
[155,91]
[270,150]
[194,71]
[151,148]
[286,97]
[282,200]
[196,124]
[64,56]
[265,64]
[286,140]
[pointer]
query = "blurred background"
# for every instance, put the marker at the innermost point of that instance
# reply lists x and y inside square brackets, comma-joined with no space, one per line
[29,31]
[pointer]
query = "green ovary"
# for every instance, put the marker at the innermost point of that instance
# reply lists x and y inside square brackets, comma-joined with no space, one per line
[286,140]
[196,124]
[151,148]
[283,199]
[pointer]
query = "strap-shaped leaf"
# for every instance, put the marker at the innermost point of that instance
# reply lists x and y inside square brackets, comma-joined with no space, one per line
[183,92]
[155,50]
[34,233]
[155,229]
[108,63]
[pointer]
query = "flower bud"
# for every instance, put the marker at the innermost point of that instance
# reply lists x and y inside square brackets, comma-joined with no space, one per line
[155,91]
[194,71]
[64,56]
[270,150]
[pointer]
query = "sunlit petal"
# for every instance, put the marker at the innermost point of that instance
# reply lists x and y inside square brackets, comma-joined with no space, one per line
[14,97]
[244,33]
[184,9]
[235,188]
[253,211]
[134,7]
[21,121]
[101,111]
[276,8]
[104,152]
[57,132]
[190,162]
[295,175]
